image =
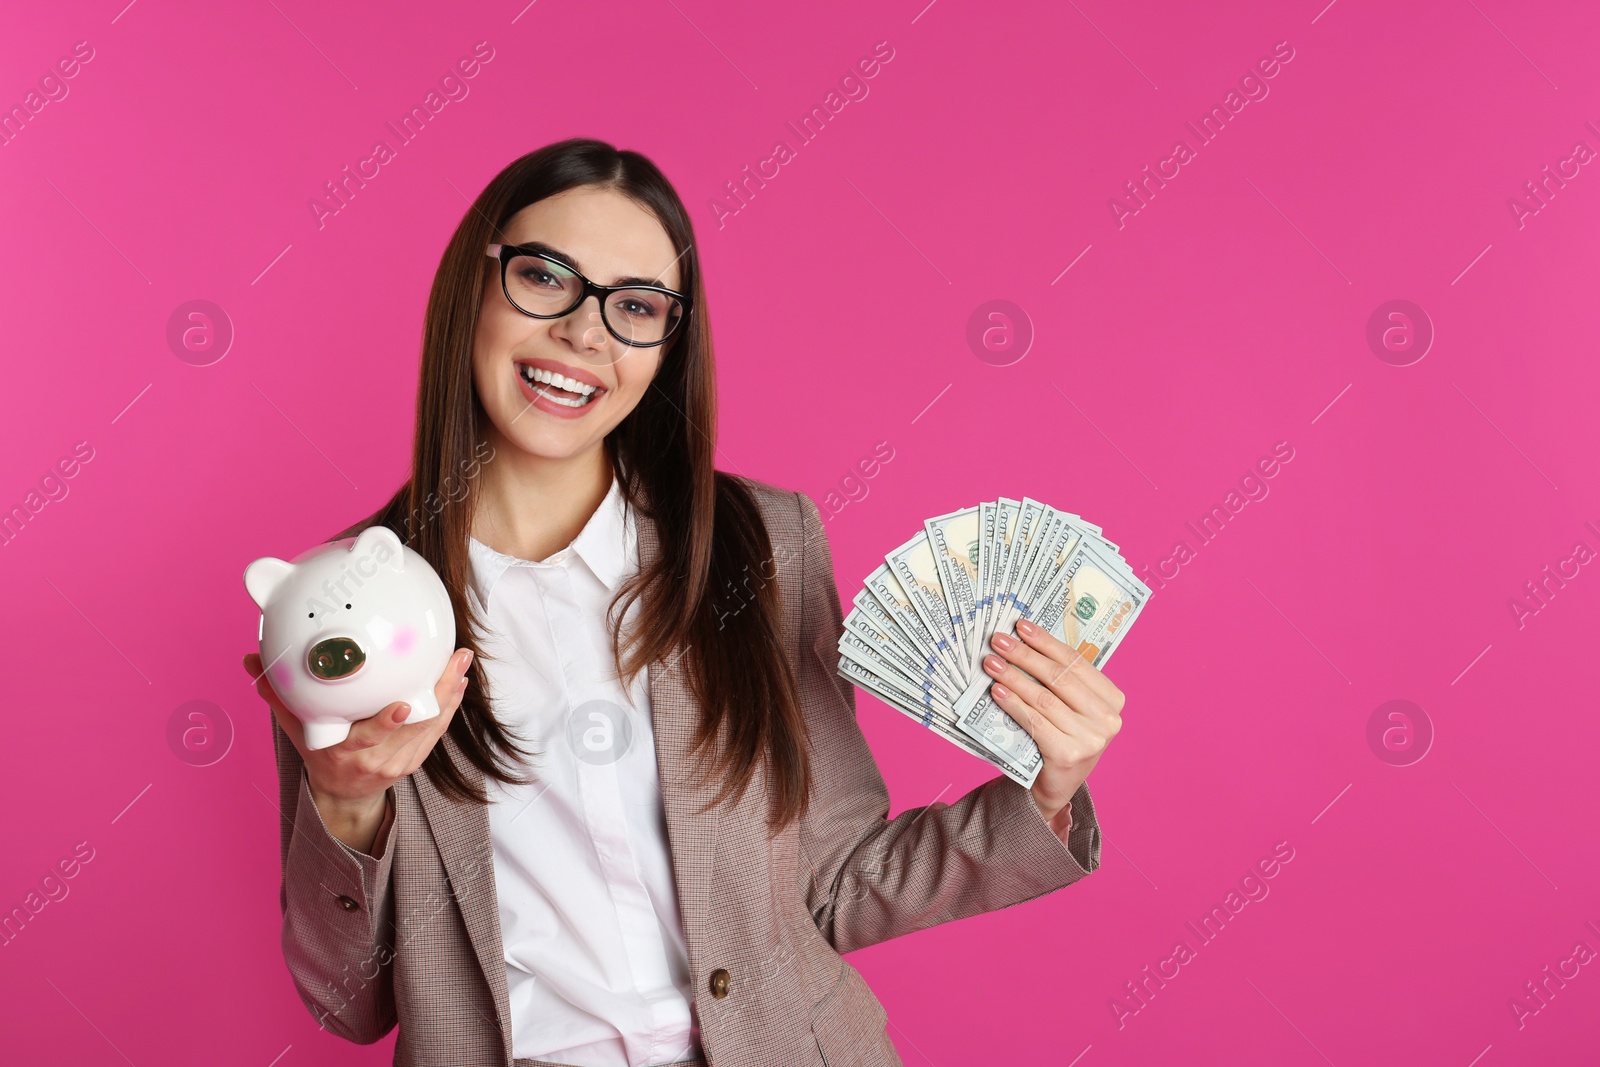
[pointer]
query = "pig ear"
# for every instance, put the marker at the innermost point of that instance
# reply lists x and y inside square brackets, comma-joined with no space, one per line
[382,545]
[263,576]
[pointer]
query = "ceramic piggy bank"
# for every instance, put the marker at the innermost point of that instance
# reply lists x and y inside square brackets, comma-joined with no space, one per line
[350,627]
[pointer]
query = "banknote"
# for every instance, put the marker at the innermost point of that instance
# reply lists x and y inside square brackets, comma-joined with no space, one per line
[919,628]
[954,540]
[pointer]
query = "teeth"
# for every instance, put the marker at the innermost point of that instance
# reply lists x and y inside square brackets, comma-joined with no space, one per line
[560,381]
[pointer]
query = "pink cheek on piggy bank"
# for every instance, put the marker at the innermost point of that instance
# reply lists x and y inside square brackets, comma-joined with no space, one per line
[282,675]
[405,639]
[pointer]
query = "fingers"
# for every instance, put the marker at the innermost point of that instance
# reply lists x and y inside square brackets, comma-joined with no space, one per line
[1054,662]
[384,739]
[398,746]
[1052,741]
[377,729]
[1052,687]
[450,685]
[1064,736]
[1023,698]
[412,754]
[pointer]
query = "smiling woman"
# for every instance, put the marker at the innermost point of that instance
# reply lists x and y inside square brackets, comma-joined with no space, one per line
[654,824]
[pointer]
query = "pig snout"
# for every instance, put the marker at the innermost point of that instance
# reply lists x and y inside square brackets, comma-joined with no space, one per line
[335,658]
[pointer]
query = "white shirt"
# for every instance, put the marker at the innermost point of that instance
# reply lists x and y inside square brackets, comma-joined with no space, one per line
[597,967]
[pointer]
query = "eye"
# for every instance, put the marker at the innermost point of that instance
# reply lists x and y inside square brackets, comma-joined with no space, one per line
[535,274]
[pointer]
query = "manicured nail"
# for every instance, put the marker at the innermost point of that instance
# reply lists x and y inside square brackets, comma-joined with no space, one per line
[1026,628]
[1004,642]
[994,664]
[1001,691]
[400,715]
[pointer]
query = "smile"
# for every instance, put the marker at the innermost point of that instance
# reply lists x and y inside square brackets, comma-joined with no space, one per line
[558,388]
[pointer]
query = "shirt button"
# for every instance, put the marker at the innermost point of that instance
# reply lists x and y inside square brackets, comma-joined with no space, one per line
[720,983]
[348,904]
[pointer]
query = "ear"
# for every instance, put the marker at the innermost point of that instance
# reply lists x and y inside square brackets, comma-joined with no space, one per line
[382,545]
[263,576]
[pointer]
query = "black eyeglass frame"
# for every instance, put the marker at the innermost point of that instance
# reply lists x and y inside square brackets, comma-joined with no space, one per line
[506,253]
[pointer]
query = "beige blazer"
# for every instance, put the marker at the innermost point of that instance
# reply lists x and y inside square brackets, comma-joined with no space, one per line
[413,939]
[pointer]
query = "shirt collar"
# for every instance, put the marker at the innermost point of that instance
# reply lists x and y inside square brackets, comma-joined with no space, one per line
[607,544]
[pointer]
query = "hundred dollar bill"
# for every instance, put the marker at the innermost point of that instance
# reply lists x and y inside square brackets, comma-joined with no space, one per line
[954,539]
[988,524]
[882,585]
[907,662]
[925,702]
[1029,517]
[929,693]
[1093,603]
[1008,744]
[1008,513]
[918,573]
[887,693]
[922,624]
[1089,607]
[1054,541]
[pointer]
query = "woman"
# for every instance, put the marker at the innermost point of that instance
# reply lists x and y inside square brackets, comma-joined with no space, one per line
[646,823]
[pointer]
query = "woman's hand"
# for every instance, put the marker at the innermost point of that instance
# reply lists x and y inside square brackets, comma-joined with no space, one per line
[1068,707]
[350,781]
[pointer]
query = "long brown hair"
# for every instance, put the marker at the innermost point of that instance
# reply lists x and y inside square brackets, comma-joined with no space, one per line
[709,525]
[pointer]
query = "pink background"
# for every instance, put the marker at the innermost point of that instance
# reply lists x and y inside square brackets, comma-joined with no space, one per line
[1227,315]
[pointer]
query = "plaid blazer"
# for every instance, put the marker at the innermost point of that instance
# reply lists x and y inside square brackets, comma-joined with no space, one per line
[413,939]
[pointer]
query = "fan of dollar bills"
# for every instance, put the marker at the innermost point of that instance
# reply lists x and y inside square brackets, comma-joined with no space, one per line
[918,633]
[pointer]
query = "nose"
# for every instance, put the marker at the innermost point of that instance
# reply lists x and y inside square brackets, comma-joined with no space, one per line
[584,329]
[334,658]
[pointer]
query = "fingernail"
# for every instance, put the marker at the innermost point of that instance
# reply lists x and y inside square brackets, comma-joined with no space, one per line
[994,664]
[468,661]
[1026,628]
[403,713]
[1004,642]
[1000,691]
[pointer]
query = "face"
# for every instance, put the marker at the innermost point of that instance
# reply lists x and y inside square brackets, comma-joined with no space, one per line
[608,237]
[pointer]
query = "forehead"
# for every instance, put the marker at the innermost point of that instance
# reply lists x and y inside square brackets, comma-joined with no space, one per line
[607,235]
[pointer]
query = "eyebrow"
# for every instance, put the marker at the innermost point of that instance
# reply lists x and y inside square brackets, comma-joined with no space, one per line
[556,253]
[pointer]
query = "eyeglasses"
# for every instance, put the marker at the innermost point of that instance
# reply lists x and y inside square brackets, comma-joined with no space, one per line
[542,287]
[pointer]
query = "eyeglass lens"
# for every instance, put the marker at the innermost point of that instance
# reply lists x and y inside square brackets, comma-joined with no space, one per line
[544,287]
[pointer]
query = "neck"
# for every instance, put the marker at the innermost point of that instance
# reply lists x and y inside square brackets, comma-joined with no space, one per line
[532,507]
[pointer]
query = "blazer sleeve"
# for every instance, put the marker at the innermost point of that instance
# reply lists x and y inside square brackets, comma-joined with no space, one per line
[338,912]
[873,878]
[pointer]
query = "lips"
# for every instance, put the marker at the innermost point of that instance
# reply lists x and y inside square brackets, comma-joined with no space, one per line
[559,388]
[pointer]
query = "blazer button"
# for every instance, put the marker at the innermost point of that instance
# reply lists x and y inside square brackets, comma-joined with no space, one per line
[720,983]
[348,904]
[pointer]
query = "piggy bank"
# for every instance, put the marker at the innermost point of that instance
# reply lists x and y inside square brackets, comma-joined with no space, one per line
[349,627]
